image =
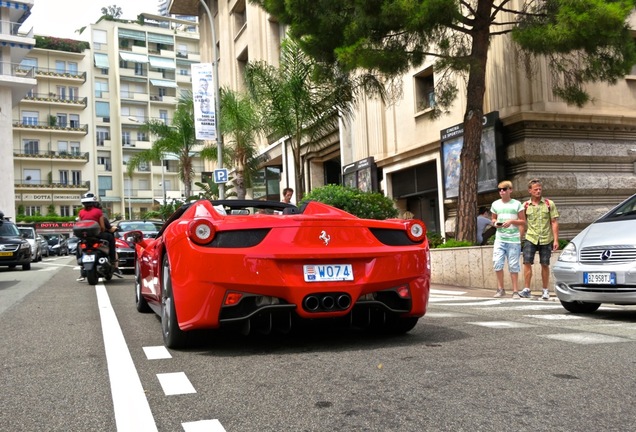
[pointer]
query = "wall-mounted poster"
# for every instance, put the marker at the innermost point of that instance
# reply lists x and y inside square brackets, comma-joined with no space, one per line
[489,166]
[362,175]
[203,92]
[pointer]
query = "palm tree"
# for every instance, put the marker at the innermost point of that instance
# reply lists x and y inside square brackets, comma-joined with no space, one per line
[177,140]
[240,125]
[300,100]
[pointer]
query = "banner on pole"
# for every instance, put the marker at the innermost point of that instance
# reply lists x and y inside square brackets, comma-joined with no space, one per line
[203,93]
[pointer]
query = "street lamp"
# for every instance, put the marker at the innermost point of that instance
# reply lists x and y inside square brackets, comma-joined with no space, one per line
[215,68]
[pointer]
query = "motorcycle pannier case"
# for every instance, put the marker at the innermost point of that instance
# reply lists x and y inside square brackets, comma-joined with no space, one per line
[86,228]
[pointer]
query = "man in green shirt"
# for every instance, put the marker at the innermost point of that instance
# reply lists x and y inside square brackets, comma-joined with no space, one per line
[542,235]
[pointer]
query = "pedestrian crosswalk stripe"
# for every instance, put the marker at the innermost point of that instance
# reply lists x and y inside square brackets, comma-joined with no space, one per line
[586,338]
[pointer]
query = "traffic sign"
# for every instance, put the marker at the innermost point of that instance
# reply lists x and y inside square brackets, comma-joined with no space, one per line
[220,175]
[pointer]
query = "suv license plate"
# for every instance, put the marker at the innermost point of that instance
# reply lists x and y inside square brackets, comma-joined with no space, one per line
[599,278]
[327,272]
[6,253]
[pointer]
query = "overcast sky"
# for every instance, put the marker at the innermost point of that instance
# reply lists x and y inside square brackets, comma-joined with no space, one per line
[61,18]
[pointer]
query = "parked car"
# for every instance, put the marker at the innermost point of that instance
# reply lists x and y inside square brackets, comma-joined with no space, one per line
[14,249]
[148,228]
[72,244]
[261,265]
[126,249]
[44,245]
[57,243]
[597,266]
[29,234]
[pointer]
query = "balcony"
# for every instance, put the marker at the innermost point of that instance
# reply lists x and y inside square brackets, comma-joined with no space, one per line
[51,155]
[45,185]
[61,75]
[28,124]
[56,99]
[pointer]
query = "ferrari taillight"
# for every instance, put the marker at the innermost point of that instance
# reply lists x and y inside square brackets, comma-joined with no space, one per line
[404,292]
[416,230]
[201,231]
[232,298]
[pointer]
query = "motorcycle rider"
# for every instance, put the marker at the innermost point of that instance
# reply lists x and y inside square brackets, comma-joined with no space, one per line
[92,211]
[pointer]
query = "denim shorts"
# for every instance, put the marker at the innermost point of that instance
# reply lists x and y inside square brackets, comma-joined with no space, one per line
[530,249]
[511,251]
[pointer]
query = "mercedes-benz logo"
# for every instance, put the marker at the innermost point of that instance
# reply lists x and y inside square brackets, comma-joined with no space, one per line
[605,255]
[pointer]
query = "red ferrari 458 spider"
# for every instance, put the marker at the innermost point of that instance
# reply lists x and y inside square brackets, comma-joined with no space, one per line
[264,264]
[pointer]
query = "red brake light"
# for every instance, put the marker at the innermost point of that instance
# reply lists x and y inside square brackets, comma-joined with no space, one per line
[404,292]
[201,231]
[232,298]
[416,230]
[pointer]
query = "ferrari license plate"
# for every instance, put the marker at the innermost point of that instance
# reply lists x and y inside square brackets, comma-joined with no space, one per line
[6,253]
[599,278]
[328,272]
[88,258]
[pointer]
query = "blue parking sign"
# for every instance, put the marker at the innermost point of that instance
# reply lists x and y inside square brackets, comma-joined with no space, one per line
[220,175]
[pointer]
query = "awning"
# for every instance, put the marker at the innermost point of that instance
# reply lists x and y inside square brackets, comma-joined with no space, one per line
[163,83]
[162,39]
[162,63]
[14,5]
[132,57]
[132,34]
[101,61]
[17,45]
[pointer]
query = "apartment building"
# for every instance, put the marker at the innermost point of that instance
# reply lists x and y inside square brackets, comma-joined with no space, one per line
[585,156]
[78,128]
[15,82]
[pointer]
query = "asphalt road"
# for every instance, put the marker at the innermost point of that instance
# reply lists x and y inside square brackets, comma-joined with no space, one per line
[81,358]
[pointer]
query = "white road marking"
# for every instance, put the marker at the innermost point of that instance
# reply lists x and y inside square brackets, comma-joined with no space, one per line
[586,338]
[132,411]
[501,324]
[157,353]
[556,317]
[203,426]
[175,383]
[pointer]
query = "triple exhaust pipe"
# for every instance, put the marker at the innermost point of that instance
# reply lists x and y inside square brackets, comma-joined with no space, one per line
[327,302]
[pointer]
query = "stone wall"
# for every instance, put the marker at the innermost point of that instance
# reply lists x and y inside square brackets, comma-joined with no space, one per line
[472,267]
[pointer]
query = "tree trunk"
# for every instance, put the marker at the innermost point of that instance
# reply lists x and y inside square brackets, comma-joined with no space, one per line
[466,228]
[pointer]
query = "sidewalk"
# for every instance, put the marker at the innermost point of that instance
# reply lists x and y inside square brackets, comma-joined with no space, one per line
[473,292]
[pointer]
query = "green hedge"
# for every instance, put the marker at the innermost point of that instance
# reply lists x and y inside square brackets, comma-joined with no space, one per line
[362,204]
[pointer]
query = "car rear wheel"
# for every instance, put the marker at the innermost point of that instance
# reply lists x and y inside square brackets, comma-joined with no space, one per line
[580,307]
[140,301]
[26,266]
[173,336]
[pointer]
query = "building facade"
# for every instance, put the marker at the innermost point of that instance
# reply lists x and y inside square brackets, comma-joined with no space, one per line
[78,128]
[586,157]
[15,82]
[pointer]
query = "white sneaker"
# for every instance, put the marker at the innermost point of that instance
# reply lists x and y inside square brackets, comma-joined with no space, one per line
[525,293]
[546,294]
[81,279]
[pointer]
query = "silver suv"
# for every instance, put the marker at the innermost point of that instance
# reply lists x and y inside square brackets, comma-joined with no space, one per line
[29,234]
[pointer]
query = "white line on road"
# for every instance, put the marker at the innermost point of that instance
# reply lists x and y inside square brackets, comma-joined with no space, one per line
[132,411]
[175,383]
[157,353]
[203,426]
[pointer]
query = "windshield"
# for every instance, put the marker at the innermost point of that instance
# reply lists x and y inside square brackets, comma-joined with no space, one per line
[27,232]
[139,226]
[9,230]
[625,210]
[53,239]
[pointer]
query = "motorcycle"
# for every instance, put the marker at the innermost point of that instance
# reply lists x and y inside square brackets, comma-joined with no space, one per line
[93,255]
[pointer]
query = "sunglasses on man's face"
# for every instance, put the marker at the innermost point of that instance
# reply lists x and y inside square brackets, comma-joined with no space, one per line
[503,189]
